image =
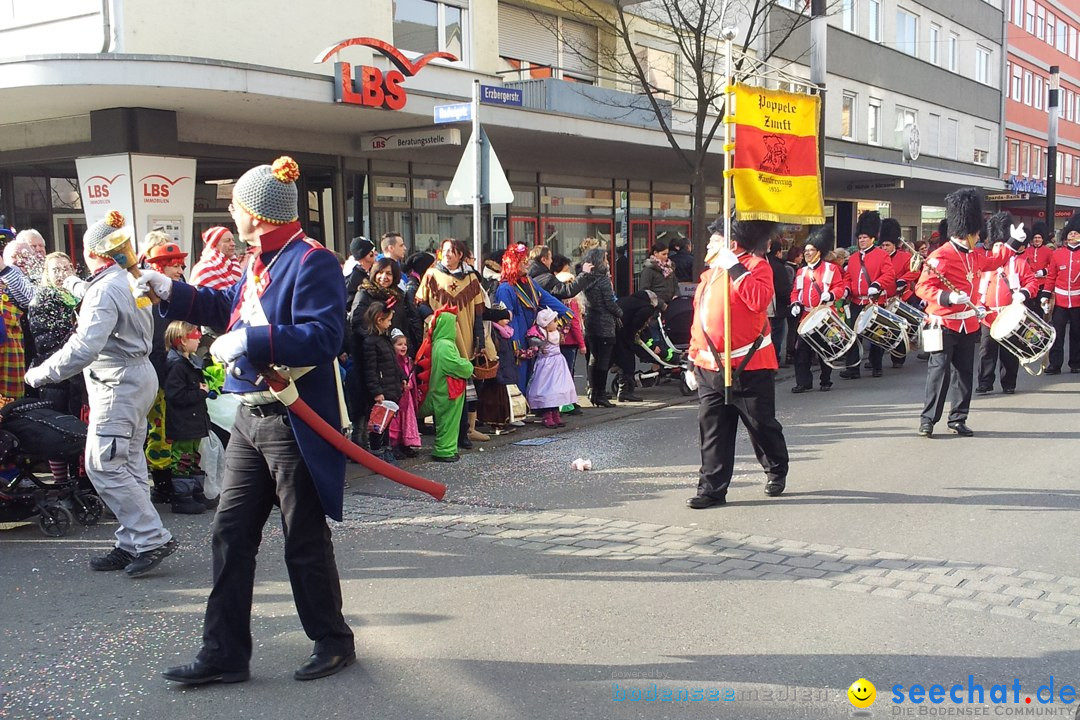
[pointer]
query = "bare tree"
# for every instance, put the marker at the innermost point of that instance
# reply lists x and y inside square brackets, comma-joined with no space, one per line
[690,30]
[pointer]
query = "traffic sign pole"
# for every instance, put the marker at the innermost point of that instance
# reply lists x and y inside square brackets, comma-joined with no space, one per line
[478,179]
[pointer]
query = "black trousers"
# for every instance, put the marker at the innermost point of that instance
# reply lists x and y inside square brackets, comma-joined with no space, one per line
[755,404]
[1066,317]
[851,360]
[263,469]
[948,375]
[804,359]
[625,358]
[600,349]
[990,353]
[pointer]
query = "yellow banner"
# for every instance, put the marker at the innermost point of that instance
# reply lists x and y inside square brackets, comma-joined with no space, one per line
[775,168]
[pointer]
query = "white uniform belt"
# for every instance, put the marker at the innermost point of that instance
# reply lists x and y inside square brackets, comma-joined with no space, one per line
[1067,293]
[739,351]
[964,315]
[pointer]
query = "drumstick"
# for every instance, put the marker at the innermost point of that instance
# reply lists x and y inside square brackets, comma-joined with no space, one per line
[980,312]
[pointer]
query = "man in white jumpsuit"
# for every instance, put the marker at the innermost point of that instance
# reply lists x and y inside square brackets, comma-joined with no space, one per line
[111,347]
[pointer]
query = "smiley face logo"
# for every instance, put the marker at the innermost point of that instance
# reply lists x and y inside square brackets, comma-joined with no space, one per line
[862,693]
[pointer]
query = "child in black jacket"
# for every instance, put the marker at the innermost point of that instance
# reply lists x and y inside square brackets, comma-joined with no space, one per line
[187,420]
[382,375]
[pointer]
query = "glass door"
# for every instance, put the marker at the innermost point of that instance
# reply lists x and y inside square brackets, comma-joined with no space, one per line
[68,229]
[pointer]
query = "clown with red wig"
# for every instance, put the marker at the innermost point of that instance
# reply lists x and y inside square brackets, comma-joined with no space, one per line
[524,298]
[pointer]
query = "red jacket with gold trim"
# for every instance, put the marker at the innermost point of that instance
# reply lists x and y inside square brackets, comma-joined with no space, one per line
[960,267]
[880,269]
[751,293]
[825,275]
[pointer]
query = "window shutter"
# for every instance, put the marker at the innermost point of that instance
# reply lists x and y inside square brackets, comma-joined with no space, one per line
[528,36]
[579,47]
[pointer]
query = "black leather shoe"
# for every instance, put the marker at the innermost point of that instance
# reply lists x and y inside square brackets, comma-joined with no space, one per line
[774,488]
[961,429]
[603,402]
[1009,391]
[801,389]
[876,373]
[628,397]
[203,673]
[826,387]
[700,502]
[320,666]
[850,374]
[983,390]
[464,442]
[926,429]
[1074,370]
[1052,371]
[897,365]
[446,458]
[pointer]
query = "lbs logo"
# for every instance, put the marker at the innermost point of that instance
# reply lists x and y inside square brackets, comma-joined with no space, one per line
[376,88]
[99,187]
[156,188]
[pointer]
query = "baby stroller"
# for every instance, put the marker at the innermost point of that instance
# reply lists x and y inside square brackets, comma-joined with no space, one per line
[32,433]
[667,350]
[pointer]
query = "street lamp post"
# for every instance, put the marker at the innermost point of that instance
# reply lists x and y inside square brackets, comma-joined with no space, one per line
[819,28]
[1051,147]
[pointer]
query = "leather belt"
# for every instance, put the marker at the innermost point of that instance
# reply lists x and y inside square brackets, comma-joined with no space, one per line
[267,410]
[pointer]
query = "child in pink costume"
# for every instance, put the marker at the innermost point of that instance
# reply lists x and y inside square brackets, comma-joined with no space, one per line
[404,432]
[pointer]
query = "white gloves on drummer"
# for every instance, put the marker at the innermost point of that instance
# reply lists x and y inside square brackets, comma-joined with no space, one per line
[958,298]
[230,346]
[153,280]
[1017,233]
[796,310]
[1044,303]
[873,292]
[826,297]
[1040,273]
[1019,297]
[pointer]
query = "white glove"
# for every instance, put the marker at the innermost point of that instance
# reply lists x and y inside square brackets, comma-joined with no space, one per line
[36,377]
[1045,305]
[75,285]
[796,309]
[153,280]
[1040,273]
[1019,298]
[1017,233]
[873,292]
[725,258]
[230,346]
[961,298]
[826,297]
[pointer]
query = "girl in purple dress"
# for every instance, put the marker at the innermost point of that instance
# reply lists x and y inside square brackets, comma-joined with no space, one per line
[551,384]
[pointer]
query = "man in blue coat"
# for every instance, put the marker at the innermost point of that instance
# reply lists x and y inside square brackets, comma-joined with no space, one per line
[287,310]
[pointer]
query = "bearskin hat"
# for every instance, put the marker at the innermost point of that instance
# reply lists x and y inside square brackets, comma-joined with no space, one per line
[998,227]
[754,235]
[1040,228]
[823,238]
[869,223]
[963,210]
[1072,226]
[890,231]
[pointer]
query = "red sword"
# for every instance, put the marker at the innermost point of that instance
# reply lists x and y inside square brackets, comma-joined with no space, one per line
[286,392]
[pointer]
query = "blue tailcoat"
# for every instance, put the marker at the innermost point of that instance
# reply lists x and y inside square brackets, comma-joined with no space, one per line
[304,303]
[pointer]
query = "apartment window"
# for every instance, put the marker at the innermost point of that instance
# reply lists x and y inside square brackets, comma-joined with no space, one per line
[931,135]
[1038,92]
[847,116]
[661,68]
[907,32]
[873,122]
[1062,36]
[1027,88]
[954,52]
[1036,161]
[1076,171]
[950,133]
[1040,22]
[1051,30]
[982,146]
[847,14]
[1017,83]
[935,38]
[1057,175]
[1018,12]
[1067,96]
[875,20]
[425,26]
[1029,17]
[982,65]
[1025,159]
[1078,108]
[535,45]
[1014,157]
[1068,169]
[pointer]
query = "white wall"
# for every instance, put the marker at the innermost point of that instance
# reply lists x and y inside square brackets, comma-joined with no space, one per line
[34,27]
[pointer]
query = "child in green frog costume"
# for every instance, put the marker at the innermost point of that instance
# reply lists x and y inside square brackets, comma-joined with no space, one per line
[446,387]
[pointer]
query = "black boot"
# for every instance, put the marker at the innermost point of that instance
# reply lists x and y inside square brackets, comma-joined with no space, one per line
[162,492]
[200,496]
[183,500]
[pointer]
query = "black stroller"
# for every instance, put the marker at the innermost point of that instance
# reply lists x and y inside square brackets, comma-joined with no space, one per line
[666,352]
[31,434]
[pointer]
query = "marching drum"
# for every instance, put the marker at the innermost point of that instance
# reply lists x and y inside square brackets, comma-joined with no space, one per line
[827,334]
[914,316]
[1023,333]
[881,327]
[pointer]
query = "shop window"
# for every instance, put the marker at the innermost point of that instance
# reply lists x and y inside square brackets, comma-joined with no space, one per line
[430,194]
[392,193]
[65,194]
[576,201]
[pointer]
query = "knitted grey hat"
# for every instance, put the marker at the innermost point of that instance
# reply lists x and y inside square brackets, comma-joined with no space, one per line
[268,192]
[94,237]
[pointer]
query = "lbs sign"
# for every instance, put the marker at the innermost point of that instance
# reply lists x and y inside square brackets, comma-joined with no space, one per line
[371,87]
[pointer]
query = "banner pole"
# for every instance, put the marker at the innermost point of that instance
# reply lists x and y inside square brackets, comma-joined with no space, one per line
[729,35]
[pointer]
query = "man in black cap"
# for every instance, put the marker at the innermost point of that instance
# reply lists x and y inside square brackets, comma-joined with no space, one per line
[870,280]
[357,267]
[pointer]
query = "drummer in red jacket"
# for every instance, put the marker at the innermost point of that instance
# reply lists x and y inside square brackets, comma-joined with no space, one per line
[753,361]
[870,280]
[817,283]
[1009,284]
[1037,254]
[1062,290]
[949,299]
[905,276]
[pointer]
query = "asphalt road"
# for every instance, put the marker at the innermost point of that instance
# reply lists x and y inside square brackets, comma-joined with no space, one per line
[537,591]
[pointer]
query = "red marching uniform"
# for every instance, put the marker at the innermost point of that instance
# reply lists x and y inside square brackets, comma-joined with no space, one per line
[1063,277]
[1038,259]
[879,268]
[811,281]
[905,276]
[996,287]
[1063,284]
[960,267]
[750,297]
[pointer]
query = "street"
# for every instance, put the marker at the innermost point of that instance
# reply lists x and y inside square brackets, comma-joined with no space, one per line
[536,591]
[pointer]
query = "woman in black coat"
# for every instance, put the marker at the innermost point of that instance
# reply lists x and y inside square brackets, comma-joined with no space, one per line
[382,287]
[602,315]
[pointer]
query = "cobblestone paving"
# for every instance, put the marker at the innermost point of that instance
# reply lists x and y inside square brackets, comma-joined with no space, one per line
[1041,597]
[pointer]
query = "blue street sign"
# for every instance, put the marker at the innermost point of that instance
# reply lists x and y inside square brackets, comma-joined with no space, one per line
[459,112]
[491,95]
